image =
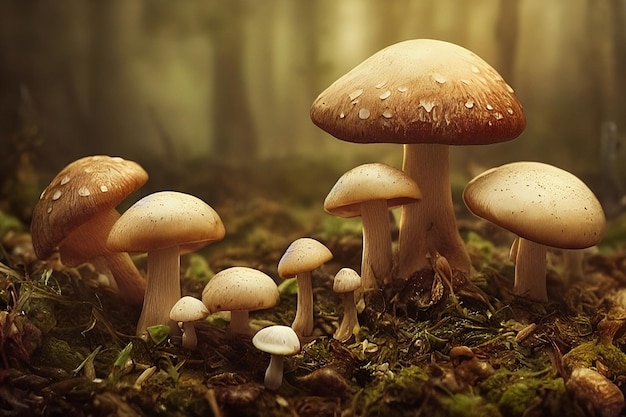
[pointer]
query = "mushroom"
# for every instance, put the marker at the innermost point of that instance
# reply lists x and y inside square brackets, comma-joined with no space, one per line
[76,212]
[240,289]
[426,94]
[544,206]
[346,282]
[279,341]
[164,224]
[185,312]
[369,191]
[595,393]
[300,258]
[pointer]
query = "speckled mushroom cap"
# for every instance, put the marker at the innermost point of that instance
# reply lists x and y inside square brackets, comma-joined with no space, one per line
[421,91]
[165,219]
[367,182]
[538,202]
[346,280]
[240,288]
[277,340]
[80,191]
[303,255]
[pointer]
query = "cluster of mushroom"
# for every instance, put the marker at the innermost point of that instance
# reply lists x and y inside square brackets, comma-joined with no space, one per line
[429,94]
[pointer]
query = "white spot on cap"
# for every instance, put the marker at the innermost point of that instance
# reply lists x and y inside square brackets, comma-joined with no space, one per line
[387,114]
[469,104]
[509,110]
[475,69]
[49,209]
[43,193]
[439,78]
[84,192]
[498,115]
[104,188]
[364,114]
[385,95]
[381,84]
[65,180]
[489,107]
[427,105]
[342,115]
[56,195]
[403,89]
[356,94]
[510,89]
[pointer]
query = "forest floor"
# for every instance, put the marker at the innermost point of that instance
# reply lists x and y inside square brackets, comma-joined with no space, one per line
[67,346]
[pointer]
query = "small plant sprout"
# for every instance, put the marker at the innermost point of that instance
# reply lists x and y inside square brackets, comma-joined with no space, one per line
[346,282]
[185,312]
[299,260]
[279,341]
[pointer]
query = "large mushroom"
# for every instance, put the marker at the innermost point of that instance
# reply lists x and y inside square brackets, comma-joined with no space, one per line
[369,191]
[426,94]
[76,212]
[544,206]
[299,260]
[240,289]
[164,224]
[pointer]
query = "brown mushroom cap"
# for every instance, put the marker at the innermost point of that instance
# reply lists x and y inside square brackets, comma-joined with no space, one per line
[83,189]
[538,202]
[421,91]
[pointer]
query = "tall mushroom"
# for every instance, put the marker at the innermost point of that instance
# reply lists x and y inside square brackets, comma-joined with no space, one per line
[76,212]
[369,191]
[240,289]
[544,206]
[299,260]
[426,94]
[164,224]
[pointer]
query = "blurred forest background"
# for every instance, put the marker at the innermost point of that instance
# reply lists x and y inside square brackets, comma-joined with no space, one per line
[182,85]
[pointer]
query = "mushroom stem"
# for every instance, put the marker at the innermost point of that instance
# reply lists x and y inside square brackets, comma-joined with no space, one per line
[429,226]
[163,289]
[240,322]
[274,373]
[530,270]
[377,260]
[350,320]
[303,322]
[189,339]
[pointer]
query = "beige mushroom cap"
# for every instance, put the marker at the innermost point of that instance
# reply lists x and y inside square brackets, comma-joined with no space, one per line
[277,340]
[83,189]
[240,288]
[538,202]
[421,91]
[346,280]
[303,255]
[188,309]
[367,182]
[165,219]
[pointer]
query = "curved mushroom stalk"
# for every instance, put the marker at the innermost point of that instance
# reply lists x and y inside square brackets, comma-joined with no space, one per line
[274,372]
[303,322]
[350,321]
[530,270]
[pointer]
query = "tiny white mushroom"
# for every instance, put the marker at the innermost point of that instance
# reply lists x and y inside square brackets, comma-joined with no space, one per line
[279,341]
[186,311]
[346,282]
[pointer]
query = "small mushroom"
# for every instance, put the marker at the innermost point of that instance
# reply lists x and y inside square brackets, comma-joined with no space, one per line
[279,341]
[369,191]
[595,393]
[164,224]
[544,206]
[185,312]
[299,260]
[76,212]
[346,282]
[240,289]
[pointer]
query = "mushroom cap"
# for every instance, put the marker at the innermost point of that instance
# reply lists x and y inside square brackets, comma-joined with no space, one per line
[421,91]
[81,190]
[303,255]
[240,288]
[277,340]
[165,219]
[188,309]
[538,202]
[346,280]
[367,182]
